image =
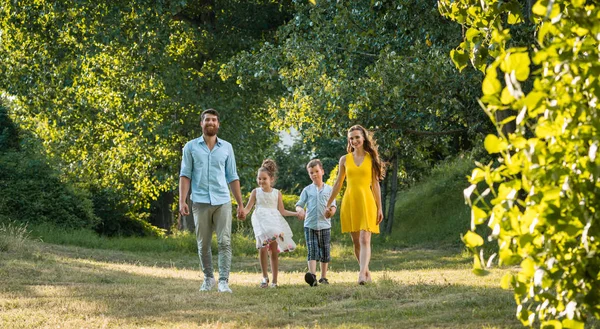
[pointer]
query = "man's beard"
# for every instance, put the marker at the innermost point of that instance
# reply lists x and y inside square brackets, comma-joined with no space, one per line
[210,131]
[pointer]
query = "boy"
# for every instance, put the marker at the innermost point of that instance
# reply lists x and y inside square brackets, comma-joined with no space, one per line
[317,224]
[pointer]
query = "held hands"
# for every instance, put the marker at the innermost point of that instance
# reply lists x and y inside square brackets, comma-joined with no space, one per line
[330,211]
[241,213]
[300,213]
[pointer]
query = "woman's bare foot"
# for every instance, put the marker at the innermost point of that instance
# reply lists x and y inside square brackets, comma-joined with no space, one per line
[368,277]
[362,280]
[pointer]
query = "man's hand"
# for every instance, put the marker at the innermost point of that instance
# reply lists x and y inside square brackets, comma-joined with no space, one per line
[301,214]
[241,215]
[184,210]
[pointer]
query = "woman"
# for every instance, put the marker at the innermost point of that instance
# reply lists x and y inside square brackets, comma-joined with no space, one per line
[361,206]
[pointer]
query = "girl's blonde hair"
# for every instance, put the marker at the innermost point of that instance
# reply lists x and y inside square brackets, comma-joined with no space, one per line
[270,167]
[370,145]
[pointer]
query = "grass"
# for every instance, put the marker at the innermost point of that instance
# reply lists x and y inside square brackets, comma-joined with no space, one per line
[73,287]
[13,236]
[433,214]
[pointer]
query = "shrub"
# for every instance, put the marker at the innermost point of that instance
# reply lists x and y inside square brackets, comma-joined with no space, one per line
[31,191]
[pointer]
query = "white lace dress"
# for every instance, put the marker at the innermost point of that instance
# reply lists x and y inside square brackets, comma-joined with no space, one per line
[268,224]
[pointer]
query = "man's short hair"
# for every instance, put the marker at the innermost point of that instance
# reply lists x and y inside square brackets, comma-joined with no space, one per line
[314,163]
[209,111]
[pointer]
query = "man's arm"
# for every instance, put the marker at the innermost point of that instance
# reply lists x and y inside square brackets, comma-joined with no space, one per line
[184,189]
[237,194]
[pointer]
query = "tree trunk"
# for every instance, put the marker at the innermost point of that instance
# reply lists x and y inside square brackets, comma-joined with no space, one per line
[384,192]
[507,128]
[394,191]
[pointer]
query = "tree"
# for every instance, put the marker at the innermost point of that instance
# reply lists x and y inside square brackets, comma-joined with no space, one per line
[379,64]
[541,198]
[115,90]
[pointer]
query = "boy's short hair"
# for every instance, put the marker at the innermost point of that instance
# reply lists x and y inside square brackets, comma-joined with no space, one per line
[314,163]
[210,111]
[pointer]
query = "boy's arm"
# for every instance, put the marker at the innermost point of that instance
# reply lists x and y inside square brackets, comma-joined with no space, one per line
[300,205]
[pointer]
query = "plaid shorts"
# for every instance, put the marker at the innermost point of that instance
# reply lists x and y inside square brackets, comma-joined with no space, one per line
[318,244]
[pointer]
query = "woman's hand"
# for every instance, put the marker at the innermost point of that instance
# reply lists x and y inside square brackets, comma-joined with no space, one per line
[379,216]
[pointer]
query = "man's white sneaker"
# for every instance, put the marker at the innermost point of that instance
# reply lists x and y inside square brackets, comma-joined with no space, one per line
[224,287]
[208,284]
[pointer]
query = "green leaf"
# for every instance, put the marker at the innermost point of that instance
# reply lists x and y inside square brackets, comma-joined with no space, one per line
[552,324]
[493,144]
[578,3]
[507,280]
[478,216]
[459,58]
[573,324]
[514,18]
[518,62]
[506,97]
[472,239]
[490,85]
[528,267]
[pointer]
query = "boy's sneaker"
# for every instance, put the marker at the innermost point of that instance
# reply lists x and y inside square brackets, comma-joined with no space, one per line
[323,281]
[311,279]
[208,284]
[224,286]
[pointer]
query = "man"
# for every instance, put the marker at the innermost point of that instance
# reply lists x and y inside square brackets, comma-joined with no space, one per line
[208,166]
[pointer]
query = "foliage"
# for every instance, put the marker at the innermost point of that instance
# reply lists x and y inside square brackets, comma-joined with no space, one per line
[114,90]
[541,198]
[9,134]
[116,220]
[31,191]
[380,64]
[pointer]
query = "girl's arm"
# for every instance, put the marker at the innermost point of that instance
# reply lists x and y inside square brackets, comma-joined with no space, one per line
[337,187]
[282,210]
[376,188]
[250,203]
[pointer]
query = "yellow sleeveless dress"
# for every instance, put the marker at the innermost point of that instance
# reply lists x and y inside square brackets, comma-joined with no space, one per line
[359,210]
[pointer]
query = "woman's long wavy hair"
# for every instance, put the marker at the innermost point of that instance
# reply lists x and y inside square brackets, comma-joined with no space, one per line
[370,145]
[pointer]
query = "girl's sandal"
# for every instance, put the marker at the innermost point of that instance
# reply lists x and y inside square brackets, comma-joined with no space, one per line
[273,285]
[264,283]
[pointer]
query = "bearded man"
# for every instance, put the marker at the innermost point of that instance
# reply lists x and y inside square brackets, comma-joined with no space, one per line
[208,166]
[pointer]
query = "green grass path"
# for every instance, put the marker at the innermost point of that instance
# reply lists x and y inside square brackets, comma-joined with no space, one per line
[52,286]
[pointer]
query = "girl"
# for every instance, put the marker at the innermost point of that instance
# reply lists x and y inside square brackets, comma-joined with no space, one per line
[360,213]
[272,232]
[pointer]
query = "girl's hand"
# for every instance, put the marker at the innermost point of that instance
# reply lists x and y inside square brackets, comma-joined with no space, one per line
[379,216]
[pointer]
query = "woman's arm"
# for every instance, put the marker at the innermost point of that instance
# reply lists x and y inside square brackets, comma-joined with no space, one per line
[376,188]
[282,210]
[337,187]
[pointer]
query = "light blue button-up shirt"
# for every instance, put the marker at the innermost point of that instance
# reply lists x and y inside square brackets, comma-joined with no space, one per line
[210,172]
[315,201]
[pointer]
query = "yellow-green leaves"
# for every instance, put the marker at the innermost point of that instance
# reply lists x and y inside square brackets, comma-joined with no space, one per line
[542,190]
[472,240]
[491,85]
[517,62]
[494,144]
